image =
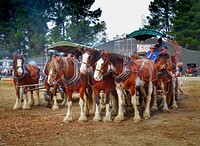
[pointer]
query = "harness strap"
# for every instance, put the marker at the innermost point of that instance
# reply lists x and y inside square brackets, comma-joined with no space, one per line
[125,72]
[76,77]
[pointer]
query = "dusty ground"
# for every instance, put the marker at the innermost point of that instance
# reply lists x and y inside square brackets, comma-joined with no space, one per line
[40,126]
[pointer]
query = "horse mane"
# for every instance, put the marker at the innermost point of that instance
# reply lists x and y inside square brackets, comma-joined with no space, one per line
[116,58]
[163,56]
[96,55]
[61,61]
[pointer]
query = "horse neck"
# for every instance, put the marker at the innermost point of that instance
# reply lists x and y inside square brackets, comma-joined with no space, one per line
[116,64]
[68,68]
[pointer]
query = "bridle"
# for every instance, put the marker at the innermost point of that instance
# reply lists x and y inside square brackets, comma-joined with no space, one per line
[88,63]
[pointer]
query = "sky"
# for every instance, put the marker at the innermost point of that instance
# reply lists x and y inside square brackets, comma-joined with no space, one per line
[122,16]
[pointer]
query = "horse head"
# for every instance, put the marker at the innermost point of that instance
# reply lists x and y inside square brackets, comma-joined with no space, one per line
[102,67]
[86,61]
[55,71]
[19,65]
[164,63]
[89,59]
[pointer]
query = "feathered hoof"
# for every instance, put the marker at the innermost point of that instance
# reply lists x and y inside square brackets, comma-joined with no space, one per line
[26,107]
[17,106]
[82,118]
[55,107]
[48,105]
[136,119]
[68,119]
[31,102]
[174,106]
[146,116]
[97,118]
[107,119]
[119,118]
[154,108]
[165,109]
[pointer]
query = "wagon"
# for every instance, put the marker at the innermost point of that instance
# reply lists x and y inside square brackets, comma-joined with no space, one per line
[63,48]
[191,70]
[143,35]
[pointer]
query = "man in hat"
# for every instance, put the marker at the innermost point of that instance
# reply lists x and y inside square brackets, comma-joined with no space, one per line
[152,53]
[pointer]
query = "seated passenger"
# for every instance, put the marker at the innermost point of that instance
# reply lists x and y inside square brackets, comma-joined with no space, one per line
[152,53]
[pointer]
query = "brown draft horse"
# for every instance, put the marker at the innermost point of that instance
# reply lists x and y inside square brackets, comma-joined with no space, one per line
[66,72]
[129,75]
[25,74]
[167,76]
[107,84]
[50,93]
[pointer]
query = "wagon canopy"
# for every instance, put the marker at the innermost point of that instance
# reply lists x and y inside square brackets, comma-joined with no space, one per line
[143,34]
[65,47]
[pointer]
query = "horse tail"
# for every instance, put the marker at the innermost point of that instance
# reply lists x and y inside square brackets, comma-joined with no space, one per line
[90,100]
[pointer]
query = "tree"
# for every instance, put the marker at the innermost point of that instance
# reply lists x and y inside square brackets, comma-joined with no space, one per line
[74,21]
[186,24]
[161,15]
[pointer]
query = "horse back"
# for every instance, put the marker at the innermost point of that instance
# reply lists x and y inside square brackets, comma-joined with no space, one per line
[145,68]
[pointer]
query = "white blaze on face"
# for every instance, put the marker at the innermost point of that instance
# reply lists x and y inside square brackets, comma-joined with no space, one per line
[83,67]
[98,68]
[19,67]
[49,77]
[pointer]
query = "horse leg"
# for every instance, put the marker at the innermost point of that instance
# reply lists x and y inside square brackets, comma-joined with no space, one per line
[64,102]
[68,117]
[113,97]
[97,111]
[164,95]
[31,100]
[107,117]
[17,102]
[55,103]
[38,101]
[102,101]
[174,104]
[146,113]
[120,116]
[155,105]
[25,105]
[89,109]
[82,106]
[136,117]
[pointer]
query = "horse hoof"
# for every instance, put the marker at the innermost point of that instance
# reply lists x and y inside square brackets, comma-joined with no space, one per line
[154,108]
[165,109]
[119,119]
[48,106]
[68,119]
[107,119]
[55,108]
[96,119]
[136,120]
[82,119]
[27,107]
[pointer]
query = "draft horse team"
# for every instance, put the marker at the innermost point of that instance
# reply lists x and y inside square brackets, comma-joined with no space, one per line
[126,82]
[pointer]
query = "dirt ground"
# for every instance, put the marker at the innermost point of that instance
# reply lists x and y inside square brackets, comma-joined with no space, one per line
[42,126]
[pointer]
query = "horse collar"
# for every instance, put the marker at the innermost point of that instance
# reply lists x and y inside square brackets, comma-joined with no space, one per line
[125,72]
[76,77]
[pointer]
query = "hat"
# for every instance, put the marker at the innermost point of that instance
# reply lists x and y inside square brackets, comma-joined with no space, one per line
[152,47]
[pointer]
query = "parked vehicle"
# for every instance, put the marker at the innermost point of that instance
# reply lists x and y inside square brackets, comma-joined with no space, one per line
[191,70]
